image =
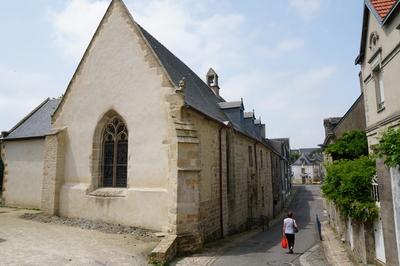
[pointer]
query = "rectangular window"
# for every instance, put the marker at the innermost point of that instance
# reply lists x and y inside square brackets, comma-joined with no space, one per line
[250,156]
[379,90]
[261,159]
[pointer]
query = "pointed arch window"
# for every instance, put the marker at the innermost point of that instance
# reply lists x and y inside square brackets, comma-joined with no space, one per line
[115,154]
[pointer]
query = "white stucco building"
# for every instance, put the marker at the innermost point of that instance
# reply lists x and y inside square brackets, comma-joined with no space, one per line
[308,167]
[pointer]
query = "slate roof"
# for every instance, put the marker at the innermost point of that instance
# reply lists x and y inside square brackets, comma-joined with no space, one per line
[36,124]
[197,93]
[309,156]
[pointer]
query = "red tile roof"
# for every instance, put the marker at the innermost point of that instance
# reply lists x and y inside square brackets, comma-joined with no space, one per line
[383,7]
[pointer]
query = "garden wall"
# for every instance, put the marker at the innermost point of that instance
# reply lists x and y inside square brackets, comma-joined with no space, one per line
[359,237]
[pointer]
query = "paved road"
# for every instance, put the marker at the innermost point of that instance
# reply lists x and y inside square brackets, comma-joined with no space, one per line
[264,248]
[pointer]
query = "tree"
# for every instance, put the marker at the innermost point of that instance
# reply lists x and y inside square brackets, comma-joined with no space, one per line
[350,146]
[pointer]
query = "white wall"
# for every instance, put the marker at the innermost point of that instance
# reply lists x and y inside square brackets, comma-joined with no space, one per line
[119,73]
[297,172]
[389,39]
[24,166]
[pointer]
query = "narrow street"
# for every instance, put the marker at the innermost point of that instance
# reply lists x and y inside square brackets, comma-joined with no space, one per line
[265,247]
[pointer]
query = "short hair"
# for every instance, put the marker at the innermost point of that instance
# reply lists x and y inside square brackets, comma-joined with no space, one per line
[290,214]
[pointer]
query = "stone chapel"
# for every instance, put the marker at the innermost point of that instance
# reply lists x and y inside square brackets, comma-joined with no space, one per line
[139,139]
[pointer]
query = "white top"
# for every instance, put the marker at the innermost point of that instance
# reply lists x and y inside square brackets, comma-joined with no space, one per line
[289,225]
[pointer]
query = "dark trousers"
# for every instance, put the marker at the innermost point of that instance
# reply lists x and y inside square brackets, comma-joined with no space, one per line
[290,239]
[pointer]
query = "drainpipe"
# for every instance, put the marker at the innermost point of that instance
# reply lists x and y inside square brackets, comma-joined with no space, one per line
[221,219]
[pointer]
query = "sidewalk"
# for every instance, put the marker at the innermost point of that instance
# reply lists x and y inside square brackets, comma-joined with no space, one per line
[212,251]
[330,251]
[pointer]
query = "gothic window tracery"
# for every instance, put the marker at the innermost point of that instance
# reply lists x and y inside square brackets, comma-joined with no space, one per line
[115,154]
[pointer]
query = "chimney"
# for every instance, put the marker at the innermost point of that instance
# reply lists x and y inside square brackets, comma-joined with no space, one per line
[212,81]
[262,131]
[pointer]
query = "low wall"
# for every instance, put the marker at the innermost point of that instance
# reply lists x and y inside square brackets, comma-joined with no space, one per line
[358,236]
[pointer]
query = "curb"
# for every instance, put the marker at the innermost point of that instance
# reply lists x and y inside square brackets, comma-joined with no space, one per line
[303,258]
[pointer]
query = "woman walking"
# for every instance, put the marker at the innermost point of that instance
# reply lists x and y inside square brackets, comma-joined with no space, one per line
[289,229]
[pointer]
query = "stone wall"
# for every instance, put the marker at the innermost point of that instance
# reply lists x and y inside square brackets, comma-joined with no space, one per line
[1,169]
[241,190]
[354,119]
[358,236]
[2,155]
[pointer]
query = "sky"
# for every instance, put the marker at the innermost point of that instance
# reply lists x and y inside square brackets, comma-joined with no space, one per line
[292,61]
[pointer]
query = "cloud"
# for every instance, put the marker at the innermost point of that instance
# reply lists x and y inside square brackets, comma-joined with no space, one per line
[202,39]
[21,92]
[313,80]
[306,8]
[283,48]
[75,25]
[241,53]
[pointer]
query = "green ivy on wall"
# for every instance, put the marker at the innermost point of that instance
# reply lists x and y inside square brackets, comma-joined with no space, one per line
[389,147]
[348,185]
[349,177]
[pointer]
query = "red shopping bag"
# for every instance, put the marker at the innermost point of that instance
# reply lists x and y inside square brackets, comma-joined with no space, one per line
[284,242]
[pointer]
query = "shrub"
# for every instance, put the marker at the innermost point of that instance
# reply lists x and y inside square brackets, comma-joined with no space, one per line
[348,185]
[350,146]
[389,147]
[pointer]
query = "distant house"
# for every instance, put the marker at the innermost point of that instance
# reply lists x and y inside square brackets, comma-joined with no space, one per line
[308,167]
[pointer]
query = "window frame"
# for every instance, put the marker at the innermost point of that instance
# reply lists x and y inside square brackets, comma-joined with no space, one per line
[118,138]
[377,75]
